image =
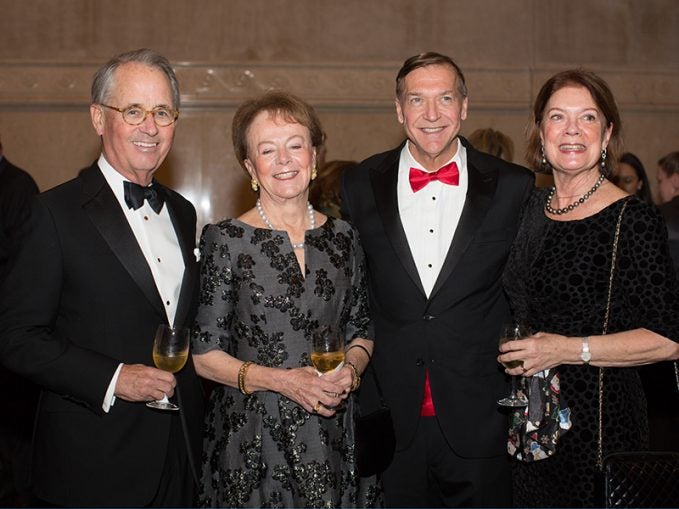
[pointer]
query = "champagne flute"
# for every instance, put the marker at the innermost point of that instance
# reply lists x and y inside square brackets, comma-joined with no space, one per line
[327,349]
[170,351]
[513,332]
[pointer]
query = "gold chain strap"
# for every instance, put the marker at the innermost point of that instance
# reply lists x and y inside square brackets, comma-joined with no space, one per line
[614,257]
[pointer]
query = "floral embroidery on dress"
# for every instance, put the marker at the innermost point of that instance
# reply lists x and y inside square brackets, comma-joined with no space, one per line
[264,450]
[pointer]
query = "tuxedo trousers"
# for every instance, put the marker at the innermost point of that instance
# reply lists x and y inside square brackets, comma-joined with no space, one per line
[428,473]
[177,487]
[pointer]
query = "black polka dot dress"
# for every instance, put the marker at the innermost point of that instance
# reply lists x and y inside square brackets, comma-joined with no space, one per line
[557,280]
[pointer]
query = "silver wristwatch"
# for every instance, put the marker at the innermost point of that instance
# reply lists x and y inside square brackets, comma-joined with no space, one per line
[585,354]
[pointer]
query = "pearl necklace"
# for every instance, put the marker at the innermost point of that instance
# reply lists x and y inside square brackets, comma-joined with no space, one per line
[576,203]
[267,222]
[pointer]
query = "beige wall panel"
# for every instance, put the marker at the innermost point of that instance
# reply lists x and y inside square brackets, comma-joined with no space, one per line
[606,33]
[51,145]
[269,30]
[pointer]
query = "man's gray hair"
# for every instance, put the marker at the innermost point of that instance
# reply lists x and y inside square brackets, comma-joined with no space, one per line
[104,78]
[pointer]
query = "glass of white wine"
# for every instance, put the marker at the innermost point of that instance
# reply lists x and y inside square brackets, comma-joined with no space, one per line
[512,332]
[327,349]
[170,351]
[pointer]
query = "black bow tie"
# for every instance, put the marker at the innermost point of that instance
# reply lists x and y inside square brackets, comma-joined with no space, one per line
[136,194]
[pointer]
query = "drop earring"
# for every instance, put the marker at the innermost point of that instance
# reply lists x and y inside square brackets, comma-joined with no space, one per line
[544,159]
[603,160]
[314,173]
[254,185]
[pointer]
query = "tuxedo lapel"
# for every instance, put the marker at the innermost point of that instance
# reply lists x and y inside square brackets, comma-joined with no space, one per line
[384,180]
[480,193]
[101,205]
[184,227]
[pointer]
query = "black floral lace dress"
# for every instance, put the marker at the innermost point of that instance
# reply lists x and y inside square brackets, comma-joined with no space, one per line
[264,450]
[557,280]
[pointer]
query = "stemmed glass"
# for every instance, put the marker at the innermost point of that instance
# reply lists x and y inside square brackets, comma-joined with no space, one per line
[327,352]
[327,349]
[170,351]
[513,332]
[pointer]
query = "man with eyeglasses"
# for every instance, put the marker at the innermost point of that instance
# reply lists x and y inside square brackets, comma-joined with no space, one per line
[110,258]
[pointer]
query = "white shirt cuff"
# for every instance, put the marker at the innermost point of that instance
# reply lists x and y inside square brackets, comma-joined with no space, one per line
[110,398]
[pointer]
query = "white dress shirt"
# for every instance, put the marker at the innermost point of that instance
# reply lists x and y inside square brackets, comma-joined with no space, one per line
[430,215]
[157,239]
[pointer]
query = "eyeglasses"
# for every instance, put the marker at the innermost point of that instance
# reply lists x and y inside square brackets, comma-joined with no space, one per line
[135,115]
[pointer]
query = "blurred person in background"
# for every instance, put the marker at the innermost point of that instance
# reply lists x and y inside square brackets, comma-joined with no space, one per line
[661,380]
[325,191]
[630,176]
[495,143]
[18,396]
[17,189]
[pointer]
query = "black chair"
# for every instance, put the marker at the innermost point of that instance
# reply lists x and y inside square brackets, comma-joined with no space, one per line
[642,479]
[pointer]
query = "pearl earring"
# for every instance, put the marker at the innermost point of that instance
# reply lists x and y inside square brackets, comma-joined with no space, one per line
[544,159]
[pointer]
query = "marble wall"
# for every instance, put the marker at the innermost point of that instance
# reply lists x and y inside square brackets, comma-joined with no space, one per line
[341,55]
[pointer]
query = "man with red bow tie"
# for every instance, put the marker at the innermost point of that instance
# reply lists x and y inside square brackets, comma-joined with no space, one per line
[437,219]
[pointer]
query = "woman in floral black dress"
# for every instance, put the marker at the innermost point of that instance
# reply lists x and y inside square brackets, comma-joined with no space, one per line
[557,279]
[277,434]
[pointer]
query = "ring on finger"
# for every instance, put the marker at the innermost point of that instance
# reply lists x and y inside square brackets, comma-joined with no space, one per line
[317,407]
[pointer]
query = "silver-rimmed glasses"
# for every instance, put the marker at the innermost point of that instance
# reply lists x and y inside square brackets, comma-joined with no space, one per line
[135,115]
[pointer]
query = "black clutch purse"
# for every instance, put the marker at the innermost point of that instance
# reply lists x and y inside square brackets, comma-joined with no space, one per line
[642,479]
[374,436]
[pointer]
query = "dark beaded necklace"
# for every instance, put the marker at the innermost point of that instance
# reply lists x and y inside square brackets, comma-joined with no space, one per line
[576,203]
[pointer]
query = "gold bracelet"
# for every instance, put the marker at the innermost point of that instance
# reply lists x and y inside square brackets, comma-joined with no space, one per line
[356,382]
[241,377]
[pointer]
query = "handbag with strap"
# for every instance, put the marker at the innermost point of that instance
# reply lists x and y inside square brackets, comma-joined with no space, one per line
[614,258]
[374,436]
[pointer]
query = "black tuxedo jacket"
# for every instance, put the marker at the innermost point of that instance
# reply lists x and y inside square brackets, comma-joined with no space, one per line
[453,333]
[80,300]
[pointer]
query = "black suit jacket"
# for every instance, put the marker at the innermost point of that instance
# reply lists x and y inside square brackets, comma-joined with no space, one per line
[80,300]
[454,332]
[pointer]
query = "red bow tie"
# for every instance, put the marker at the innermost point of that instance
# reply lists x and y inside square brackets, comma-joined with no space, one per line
[448,174]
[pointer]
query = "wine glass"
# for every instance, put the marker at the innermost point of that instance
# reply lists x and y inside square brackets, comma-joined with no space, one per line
[170,351]
[513,332]
[327,349]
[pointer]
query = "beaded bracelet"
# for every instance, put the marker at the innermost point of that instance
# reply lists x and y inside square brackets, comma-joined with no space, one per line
[242,371]
[357,378]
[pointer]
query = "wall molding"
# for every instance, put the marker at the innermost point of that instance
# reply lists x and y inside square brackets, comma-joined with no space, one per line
[328,86]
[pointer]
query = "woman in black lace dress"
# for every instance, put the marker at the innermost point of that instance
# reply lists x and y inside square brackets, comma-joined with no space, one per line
[277,434]
[557,279]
